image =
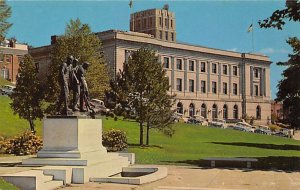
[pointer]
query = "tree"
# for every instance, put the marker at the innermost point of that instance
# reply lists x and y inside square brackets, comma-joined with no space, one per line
[80,42]
[27,96]
[289,86]
[141,90]
[5,13]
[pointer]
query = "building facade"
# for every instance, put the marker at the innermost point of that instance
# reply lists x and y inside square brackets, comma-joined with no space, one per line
[11,54]
[213,83]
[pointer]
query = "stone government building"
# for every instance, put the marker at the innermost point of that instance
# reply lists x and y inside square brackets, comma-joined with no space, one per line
[209,82]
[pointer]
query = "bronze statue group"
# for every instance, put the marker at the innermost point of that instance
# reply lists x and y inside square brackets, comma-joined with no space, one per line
[72,79]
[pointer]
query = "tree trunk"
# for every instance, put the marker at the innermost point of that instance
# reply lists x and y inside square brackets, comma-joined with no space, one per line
[147,138]
[141,134]
[31,123]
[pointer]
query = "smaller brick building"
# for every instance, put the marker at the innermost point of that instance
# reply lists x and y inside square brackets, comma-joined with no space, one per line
[11,54]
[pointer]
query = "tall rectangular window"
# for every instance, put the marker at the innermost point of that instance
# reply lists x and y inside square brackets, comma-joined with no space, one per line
[235,70]
[150,21]
[256,90]
[166,23]
[214,68]
[179,84]
[224,88]
[224,69]
[172,36]
[1,56]
[235,88]
[160,21]
[203,66]
[179,64]
[166,62]
[145,22]
[203,86]
[191,65]
[160,34]
[256,74]
[166,35]
[171,23]
[214,87]
[191,85]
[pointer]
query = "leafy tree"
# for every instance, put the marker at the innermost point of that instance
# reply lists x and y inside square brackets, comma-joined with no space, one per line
[141,90]
[289,86]
[27,96]
[80,42]
[5,13]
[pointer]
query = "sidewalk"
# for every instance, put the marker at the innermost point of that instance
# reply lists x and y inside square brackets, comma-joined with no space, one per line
[194,178]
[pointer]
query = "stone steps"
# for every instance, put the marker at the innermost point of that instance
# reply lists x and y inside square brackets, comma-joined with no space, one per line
[32,180]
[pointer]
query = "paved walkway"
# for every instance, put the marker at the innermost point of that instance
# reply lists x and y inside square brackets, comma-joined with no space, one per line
[193,178]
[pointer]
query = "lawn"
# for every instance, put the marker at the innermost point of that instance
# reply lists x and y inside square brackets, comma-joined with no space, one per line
[7,186]
[193,142]
[11,124]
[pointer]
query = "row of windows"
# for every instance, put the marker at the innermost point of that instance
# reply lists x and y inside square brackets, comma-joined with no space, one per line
[166,23]
[166,35]
[5,58]
[203,111]
[191,66]
[203,86]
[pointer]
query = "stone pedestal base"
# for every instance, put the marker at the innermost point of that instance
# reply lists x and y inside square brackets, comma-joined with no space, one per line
[76,143]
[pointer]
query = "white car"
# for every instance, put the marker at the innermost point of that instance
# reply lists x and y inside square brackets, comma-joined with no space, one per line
[7,90]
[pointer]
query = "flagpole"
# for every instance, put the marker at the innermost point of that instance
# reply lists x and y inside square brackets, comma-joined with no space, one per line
[252,37]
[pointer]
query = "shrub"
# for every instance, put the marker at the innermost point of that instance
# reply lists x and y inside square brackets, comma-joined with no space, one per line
[114,140]
[25,144]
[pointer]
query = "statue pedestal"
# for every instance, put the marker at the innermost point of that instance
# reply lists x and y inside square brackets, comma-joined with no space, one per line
[75,144]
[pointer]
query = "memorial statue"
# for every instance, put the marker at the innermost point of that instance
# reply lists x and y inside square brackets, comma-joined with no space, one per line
[75,85]
[64,81]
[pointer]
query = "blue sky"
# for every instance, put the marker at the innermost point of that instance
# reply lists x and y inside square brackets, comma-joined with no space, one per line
[216,24]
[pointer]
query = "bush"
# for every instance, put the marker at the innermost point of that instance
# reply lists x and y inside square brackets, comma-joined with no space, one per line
[114,140]
[26,144]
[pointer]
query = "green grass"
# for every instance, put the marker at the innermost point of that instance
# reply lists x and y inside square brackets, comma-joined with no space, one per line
[7,186]
[194,142]
[11,124]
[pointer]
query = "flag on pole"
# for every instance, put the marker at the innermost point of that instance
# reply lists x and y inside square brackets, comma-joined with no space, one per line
[130,4]
[250,29]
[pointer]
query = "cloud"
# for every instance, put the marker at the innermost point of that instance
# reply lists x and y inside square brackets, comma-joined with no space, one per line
[232,49]
[273,51]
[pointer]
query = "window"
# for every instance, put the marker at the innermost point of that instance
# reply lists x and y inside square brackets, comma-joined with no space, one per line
[202,66]
[171,23]
[225,69]
[150,22]
[4,73]
[235,90]
[224,88]
[203,110]
[256,73]
[235,71]
[179,85]
[145,22]
[235,112]
[203,86]
[166,23]
[191,65]
[179,108]
[191,85]
[258,112]
[8,58]
[214,112]
[214,68]
[166,36]
[214,87]
[191,110]
[225,112]
[1,56]
[179,64]
[160,34]
[172,36]
[160,21]
[256,90]
[166,62]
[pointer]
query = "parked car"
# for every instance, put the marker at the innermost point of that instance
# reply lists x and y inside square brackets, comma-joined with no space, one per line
[246,127]
[176,117]
[7,90]
[260,131]
[194,121]
[218,123]
[99,106]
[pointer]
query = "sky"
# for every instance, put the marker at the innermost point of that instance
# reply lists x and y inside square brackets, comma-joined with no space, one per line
[215,24]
